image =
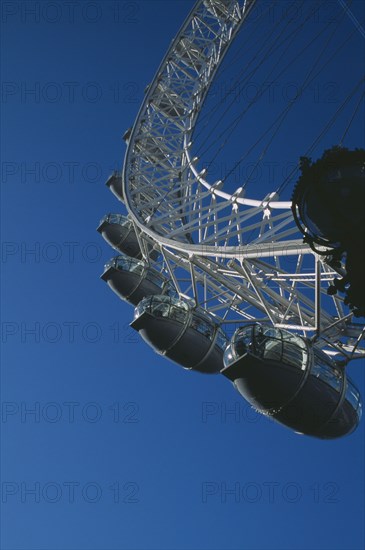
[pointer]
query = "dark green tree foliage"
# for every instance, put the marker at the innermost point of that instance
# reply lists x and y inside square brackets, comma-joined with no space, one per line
[328,207]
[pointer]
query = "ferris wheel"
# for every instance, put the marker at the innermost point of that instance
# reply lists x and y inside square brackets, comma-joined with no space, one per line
[199,259]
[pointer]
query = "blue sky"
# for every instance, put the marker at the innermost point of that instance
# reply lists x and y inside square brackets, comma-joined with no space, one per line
[123,450]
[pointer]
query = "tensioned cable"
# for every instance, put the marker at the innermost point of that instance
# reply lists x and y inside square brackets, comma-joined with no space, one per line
[324,131]
[270,50]
[238,81]
[357,24]
[331,122]
[278,118]
[327,126]
[351,119]
[285,112]
[237,57]
[231,127]
[286,181]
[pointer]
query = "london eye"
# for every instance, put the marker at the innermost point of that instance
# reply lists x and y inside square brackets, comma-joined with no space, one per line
[262,283]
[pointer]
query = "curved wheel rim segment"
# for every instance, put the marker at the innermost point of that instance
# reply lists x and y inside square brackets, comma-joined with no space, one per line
[240,258]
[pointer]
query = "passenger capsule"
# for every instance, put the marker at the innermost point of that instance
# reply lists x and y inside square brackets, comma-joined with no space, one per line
[114,182]
[119,232]
[127,135]
[283,377]
[186,335]
[133,279]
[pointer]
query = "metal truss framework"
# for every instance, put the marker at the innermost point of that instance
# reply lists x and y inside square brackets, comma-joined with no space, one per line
[241,259]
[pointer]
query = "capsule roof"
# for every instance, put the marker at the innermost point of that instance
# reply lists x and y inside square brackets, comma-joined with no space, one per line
[114,182]
[172,307]
[119,219]
[122,262]
[185,334]
[132,279]
[267,342]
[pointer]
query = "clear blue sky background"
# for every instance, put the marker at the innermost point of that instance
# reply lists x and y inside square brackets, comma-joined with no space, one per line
[147,456]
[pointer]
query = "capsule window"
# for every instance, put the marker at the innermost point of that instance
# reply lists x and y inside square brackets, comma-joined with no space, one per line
[162,306]
[116,219]
[241,340]
[328,374]
[170,290]
[266,343]
[352,395]
[156,278]
[269,332]
[178,314]
[271,349]
[270,344]
[161,309]
[295,356]
[293,339]
[201,326]
[359,411]
[221,340]
[229,356]
[129,264]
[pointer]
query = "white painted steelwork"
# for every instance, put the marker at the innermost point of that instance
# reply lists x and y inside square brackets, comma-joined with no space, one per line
[242,259]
